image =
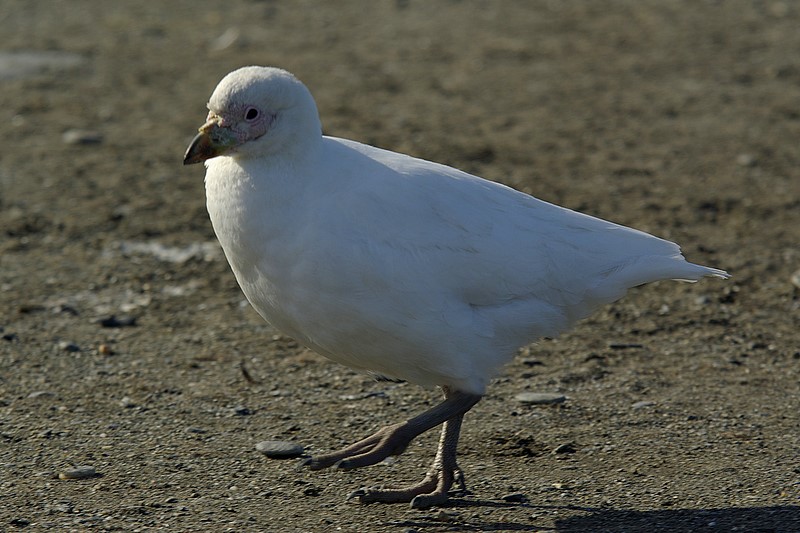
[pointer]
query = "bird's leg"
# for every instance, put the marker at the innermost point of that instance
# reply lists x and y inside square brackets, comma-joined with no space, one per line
[393,440]
[433,489]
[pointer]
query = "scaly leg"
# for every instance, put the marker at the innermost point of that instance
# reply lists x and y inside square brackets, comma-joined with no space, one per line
[433,490]
[393,440]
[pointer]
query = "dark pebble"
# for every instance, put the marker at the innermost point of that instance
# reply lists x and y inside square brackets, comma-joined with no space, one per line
[624,345]
[69,346]
[81,472]
[312,491]
[565,448]
[114,322]
[81,137]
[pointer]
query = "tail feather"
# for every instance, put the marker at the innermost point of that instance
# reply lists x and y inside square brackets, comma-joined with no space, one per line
[700,271]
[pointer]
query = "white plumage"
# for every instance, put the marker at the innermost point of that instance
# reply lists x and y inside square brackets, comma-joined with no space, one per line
[398,266]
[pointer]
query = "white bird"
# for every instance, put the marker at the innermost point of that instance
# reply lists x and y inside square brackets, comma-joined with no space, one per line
[397,266]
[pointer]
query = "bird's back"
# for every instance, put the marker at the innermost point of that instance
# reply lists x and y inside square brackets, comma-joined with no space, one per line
[489,243]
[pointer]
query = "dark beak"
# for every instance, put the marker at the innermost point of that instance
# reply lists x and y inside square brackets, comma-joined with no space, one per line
[212,141]
[200,149]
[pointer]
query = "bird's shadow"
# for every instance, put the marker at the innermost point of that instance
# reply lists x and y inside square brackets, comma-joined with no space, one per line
[776,519]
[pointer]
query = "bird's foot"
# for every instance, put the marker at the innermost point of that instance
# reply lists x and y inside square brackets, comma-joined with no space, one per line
[390,440]
[433,490]
[393,440]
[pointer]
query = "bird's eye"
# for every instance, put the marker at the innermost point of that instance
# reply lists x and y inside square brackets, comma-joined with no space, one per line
[251,113]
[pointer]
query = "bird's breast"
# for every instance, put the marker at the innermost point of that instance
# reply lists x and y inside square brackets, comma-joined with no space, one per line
[256,230]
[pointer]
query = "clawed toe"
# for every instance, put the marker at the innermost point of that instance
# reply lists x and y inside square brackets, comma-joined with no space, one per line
[433,490]
[393,440]
[312,463]
[423,501]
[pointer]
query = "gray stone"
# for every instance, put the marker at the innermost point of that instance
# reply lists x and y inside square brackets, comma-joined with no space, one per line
[79,472]
[75,136]
[279,449]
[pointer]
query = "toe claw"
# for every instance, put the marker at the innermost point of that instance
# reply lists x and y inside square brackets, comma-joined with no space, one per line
[423,501]
[312,463]
[360,493]
[461,490]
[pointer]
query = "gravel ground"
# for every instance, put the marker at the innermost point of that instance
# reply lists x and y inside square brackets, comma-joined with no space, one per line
[127,347]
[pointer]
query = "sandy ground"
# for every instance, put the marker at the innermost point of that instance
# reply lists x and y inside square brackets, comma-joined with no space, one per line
[124,335]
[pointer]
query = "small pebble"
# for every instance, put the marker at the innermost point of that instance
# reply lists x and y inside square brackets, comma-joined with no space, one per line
[312,491]
[105,349]
[642,404]
[69,346]
[127,402]
[81,472]
[81,137]
[629,345]
[702,300]
[564,448]
[278,449]
[516,497]
[746,160]
[115,322]
[540,398]
[39,393]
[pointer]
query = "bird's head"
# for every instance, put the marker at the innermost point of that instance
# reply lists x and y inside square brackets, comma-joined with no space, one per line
[256,111]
